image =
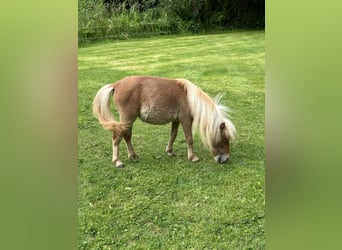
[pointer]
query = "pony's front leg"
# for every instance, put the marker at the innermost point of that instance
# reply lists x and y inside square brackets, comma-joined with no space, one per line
[189,142]
[115,143]
[173,135]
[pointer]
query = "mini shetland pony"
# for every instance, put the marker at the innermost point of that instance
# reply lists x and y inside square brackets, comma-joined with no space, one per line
[159,101]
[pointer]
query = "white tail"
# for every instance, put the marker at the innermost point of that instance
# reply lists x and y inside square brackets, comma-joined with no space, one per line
[102,112]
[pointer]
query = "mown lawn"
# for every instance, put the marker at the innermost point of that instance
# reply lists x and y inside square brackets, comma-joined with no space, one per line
[159,202]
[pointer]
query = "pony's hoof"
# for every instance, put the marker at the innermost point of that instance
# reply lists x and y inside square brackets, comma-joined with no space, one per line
[121,165]
[195,159]
[170,154]
[134,157]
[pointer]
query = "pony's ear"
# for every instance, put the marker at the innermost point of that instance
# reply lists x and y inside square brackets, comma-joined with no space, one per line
[222,126]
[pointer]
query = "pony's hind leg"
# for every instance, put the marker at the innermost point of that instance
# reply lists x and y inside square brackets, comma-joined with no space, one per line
[173,135]
[128,137]
[116,139]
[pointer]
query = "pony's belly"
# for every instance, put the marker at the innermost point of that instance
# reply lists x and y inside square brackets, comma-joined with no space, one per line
[157,115]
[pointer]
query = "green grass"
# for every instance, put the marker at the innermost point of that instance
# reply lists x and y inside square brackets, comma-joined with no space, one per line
[159,202]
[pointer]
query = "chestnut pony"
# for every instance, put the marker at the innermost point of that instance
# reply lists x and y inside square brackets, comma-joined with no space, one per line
[159,101]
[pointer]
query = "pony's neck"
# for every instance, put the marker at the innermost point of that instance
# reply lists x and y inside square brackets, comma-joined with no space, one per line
[207,114]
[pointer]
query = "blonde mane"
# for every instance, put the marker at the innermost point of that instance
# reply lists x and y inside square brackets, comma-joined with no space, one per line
[208,114]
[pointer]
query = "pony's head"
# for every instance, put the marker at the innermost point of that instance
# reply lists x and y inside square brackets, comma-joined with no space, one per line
[220,147]
[210,116]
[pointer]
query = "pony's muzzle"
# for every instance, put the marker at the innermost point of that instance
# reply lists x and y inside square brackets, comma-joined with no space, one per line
[222,158]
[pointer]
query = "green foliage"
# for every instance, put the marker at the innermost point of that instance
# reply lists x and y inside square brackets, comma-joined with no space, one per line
[98,21]
[160,202]
[212,14]
[132,18]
